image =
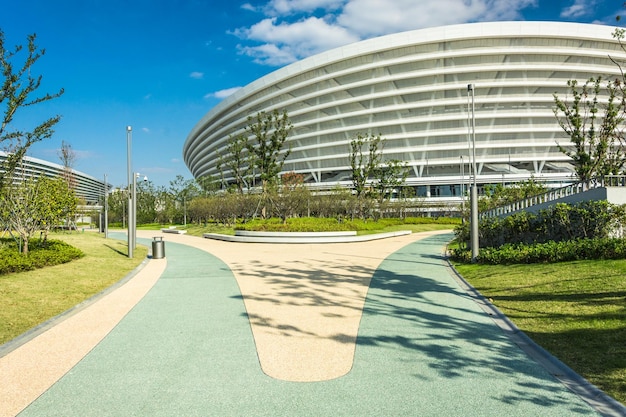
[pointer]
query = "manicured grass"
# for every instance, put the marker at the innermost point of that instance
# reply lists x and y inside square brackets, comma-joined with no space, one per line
[32,297]
[575,310]
[198,230]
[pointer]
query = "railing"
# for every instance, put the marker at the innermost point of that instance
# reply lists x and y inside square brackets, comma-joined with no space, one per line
[555,194]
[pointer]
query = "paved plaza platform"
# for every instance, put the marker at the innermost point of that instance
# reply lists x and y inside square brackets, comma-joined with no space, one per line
[379,328]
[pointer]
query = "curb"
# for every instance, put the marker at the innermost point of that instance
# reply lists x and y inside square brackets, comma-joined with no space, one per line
[594,396]
[29,335]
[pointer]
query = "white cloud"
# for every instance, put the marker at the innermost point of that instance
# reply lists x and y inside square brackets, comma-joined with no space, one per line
[288,42]
[196,75]
[145,130]
[578,9]
[287,7]
[222,93]
[249,7]
[296,29]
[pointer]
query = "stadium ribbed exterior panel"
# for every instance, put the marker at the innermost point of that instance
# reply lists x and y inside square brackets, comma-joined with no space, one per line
[412,89]
[90,189]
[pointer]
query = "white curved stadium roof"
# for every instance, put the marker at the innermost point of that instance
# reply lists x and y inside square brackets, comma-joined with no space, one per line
[412,89]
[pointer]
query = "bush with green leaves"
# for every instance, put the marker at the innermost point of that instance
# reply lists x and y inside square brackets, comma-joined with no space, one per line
[585,220]
[42,253]
[561,232]
[548,252]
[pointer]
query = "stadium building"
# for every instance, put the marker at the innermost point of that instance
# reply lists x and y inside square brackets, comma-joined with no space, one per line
[86,187]
[412,88]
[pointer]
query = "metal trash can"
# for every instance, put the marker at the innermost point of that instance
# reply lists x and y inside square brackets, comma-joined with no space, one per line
[158,247]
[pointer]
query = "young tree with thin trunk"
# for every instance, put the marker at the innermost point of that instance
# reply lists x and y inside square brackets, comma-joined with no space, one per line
[269,132]
[592,119]
[17,87]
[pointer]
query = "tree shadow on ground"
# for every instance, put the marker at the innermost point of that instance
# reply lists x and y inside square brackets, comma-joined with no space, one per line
[415,311]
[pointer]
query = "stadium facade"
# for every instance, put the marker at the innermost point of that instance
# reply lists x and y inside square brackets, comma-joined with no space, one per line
[412,88]
[88,188]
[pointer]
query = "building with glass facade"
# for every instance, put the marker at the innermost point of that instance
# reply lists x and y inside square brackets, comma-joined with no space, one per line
[412,89]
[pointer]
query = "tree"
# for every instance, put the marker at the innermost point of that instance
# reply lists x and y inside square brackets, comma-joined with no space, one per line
[146,202]
[18,86]
[593,128]
[291,198]
[36,204]
[363,166]
[499,195]
[59,203]
[68,158]
[270,132]
[182,192]
[208,184]
[390,176]
[239,161]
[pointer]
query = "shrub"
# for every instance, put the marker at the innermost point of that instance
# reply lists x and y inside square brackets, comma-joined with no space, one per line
[41,254]
[585,220]
[566,250]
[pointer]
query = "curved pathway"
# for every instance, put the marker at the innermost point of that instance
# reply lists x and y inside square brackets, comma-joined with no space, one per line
[234,330]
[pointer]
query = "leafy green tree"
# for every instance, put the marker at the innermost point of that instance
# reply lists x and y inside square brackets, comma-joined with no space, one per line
[269,132]
[239,161]
[146,202]
[390,176]
[365,157]
[117,202]
[208,185]
[18,84]
[499,195]
[181,192]
[291,198]
[59,204]
[593,127]
[36,204]
[373,178]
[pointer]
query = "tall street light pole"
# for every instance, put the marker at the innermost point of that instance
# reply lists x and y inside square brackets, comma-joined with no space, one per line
[131,214]
[473,191]
[106,208]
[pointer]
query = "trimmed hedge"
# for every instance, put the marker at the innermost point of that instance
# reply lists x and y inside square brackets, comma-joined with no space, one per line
[548,252]
[41,254]
[328,224]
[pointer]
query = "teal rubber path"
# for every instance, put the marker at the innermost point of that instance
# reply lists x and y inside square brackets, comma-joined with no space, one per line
[424,349]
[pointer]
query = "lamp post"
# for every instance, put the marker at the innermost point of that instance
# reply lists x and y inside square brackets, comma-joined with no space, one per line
[473,190]
[135,175]
[134,198]
[106,208]
[462,188]
[131,214]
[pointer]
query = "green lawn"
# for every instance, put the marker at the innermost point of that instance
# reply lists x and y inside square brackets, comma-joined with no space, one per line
[30,298]
[575,310]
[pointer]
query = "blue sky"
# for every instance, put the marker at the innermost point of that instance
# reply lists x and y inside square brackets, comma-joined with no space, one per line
[159,65]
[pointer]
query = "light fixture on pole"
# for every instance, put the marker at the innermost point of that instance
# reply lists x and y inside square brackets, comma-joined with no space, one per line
[131,214]
[473,190]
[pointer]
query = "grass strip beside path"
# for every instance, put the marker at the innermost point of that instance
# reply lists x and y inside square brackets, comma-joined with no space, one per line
[575,310]
[30,298]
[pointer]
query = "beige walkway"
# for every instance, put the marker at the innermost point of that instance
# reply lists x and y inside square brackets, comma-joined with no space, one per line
[298,296]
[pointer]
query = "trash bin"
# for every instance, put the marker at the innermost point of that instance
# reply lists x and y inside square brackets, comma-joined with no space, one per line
[158,247]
